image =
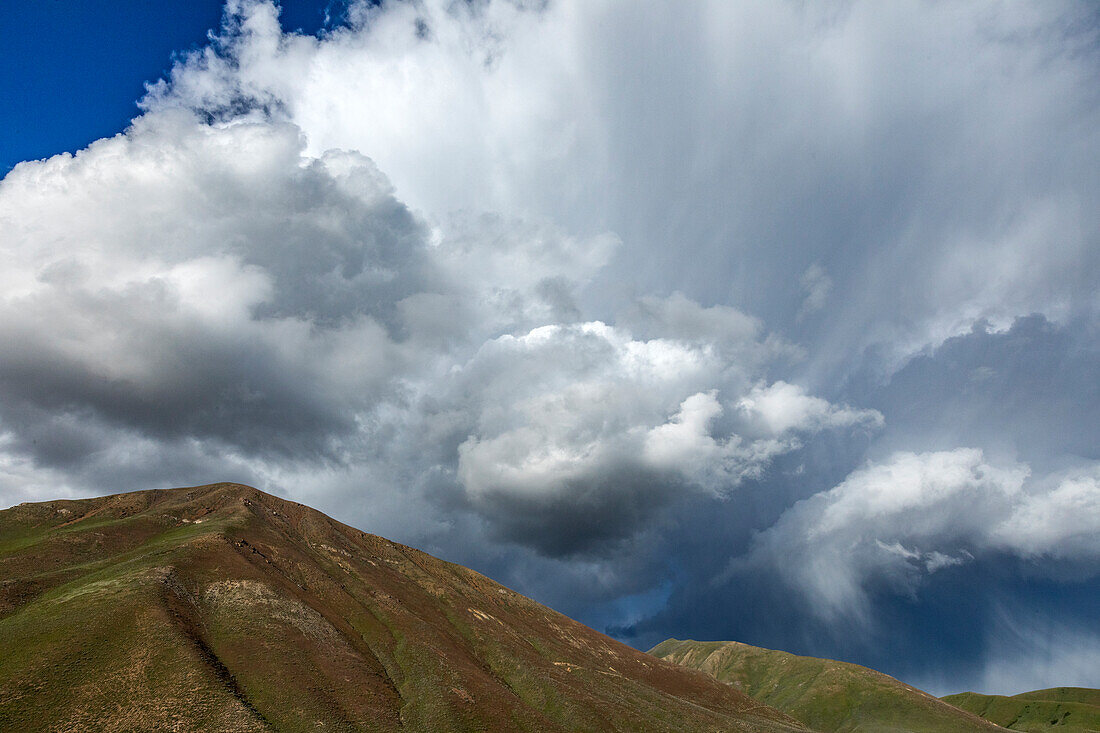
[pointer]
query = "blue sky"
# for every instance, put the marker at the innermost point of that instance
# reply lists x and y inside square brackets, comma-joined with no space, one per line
[74,70]
[770,322]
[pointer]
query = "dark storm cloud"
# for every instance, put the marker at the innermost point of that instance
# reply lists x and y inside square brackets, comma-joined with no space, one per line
[985,626]
[588,516]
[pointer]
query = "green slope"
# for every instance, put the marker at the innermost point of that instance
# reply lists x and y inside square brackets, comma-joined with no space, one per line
[1068,709]
[826,695]
[223,608]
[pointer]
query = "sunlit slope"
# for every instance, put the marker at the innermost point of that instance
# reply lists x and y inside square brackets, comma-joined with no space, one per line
[1068,709]
[825,695]
[223,608]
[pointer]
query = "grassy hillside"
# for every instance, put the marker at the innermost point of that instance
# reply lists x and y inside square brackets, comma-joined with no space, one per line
[1065,709]
[223,608]
[826,695]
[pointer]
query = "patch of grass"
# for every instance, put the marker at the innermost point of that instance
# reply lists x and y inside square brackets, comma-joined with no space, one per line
[1065,709]
[826,695]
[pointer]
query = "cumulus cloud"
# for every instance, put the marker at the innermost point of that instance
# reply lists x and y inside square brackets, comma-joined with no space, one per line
[780,408]
[898,521]
[1063,522]
[583,433]
[192,295]
[183,280]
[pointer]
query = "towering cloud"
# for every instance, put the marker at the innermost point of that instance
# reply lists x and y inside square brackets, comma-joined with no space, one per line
[214,288]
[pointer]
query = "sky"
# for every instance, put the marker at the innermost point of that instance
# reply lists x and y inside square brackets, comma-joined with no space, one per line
[774,322]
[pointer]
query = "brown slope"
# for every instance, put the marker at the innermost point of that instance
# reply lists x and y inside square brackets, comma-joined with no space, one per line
[827,695]
[224,608]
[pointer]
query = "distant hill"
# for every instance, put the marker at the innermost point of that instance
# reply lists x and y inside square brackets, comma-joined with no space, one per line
[1064,709]
[224,608]
[829,696]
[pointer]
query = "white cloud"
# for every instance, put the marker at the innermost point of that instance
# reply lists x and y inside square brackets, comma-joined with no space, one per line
[916,514]
[900,155]
[201,280]
[781,407]
[1063,522]
[582,419]
[685,440]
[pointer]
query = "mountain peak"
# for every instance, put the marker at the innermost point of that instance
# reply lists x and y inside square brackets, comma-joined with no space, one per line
[225,607]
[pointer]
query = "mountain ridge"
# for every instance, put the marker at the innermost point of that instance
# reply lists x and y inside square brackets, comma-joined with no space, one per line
[224,607]
[1067,709]
[824,694]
